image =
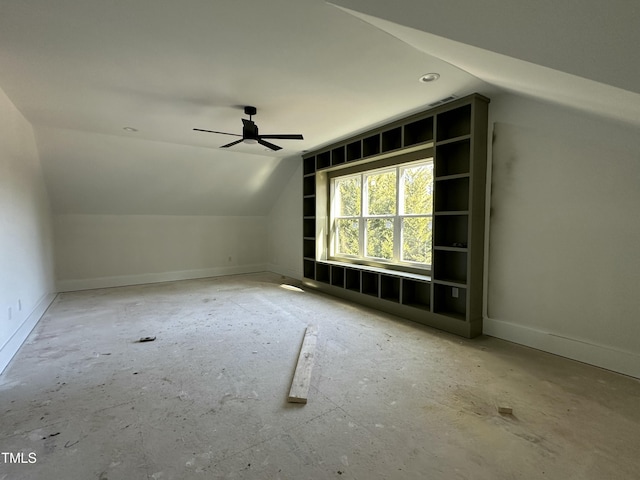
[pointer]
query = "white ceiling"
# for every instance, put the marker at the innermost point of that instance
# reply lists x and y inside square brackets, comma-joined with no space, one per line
[82,70]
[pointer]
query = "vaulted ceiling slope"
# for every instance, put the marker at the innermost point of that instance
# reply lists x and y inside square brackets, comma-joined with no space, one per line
[80,71]
[590,38]
[581,55]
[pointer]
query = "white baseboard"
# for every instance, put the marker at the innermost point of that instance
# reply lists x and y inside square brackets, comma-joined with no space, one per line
[11,346]
[284,271]
[617,360]
[126,280]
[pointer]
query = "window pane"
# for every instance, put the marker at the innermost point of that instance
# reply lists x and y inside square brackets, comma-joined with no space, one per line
[348,192]
[381,193]
[379,238]
[347,233]
[416,240]
[417,183]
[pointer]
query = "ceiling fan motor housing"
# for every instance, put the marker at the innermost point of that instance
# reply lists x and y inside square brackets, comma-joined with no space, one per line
[249,130]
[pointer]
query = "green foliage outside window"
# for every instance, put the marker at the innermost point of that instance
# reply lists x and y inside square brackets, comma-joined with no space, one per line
[378,208]
[381,193]
[349,198]
[418,200]
[348,232]
[416,240]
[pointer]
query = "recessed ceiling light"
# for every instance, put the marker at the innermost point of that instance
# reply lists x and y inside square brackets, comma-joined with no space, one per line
[429,77]
[130,129]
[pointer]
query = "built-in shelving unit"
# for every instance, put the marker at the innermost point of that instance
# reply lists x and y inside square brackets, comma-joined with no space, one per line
[451,297]
[309,216]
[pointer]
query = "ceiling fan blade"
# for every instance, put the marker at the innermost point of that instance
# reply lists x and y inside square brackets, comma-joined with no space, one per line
[284,136]
[232,143]
[269,145]
[213,131]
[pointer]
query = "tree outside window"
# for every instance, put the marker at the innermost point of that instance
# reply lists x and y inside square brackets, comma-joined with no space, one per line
[384,215]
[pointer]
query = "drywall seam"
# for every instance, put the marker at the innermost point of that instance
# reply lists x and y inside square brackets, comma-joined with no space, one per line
[13,344]
[126,280]
[603,356]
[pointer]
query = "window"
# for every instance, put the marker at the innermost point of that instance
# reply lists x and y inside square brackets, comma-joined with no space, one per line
[383,216]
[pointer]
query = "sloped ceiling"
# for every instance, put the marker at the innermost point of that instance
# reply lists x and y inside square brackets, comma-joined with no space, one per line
[80,71]
[588,38]
[581,55]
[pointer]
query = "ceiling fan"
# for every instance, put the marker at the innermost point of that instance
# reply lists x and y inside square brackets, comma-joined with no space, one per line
[250,133]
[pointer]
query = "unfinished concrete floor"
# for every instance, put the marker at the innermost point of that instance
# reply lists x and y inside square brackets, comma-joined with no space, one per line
[390,399]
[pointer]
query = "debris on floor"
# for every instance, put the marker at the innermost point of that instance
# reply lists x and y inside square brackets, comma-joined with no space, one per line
[146,339]
[302,376]
[505,410]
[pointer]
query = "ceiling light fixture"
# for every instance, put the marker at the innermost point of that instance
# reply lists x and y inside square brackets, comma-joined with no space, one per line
[429,77]
[130,129]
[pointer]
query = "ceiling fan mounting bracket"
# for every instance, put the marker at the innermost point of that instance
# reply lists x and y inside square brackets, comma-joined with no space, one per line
[248,110]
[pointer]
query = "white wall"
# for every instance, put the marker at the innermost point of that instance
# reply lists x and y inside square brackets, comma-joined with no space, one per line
[285,229]
[26,251]
[94,251]
[563,265]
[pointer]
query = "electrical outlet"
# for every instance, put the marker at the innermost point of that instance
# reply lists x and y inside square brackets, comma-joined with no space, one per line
[454,292]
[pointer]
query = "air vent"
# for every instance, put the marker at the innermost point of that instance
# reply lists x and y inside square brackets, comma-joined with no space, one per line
[444,100]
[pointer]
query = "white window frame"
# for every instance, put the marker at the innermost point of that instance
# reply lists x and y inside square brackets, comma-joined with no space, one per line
[395,261]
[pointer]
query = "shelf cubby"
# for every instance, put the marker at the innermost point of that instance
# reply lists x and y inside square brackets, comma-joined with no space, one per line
[323,272]
[417,132]
[454,123]
[309,227]
[309,185]
[309,206]
[390,288]
[370,283]
[450,266]
[392,139]
[371,145]
[452,195]
[323,160]
[416,294]
[352,279]
[309,165]
[450,301]
[338,156]
[452,158]
[337,276]
[309,268]
[354,151]
[451,231]
[309,248]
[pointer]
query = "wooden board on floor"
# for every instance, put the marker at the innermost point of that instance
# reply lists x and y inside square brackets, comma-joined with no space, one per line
[302,376]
